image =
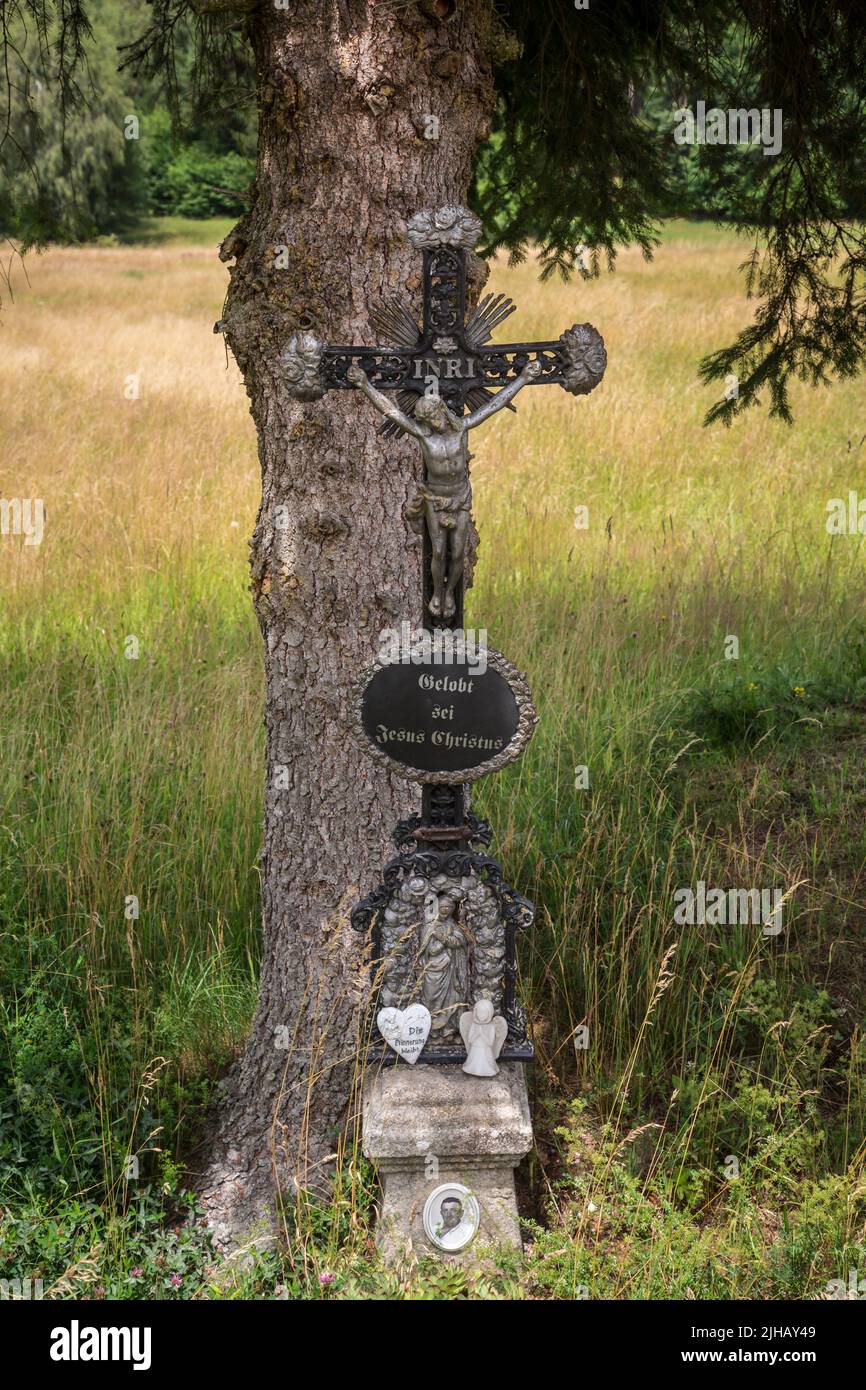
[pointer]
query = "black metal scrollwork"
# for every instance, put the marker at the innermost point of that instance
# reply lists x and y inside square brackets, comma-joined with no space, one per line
[516,912]
[575,361]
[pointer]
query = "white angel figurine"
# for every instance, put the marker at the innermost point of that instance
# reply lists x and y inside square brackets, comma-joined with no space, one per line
[483,1036]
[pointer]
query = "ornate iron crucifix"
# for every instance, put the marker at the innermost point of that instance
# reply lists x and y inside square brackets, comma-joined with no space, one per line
[437,372]
[435,383]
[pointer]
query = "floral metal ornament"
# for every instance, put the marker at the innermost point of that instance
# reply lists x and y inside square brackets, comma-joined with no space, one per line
[448,226]
[301,362]
[585,359]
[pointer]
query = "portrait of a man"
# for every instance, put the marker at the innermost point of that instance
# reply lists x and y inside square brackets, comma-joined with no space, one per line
[451,1216]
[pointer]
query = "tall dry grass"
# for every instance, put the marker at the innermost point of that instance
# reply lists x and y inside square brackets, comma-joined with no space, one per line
[142,777]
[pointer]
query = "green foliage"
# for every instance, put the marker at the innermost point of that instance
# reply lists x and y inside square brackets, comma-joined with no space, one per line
[191,180]
[88,153]
[75,1249]
[68,172]
[822,1236]
[632,1233]
[577,163]
[769,1105]
[744,709]
[95,1122]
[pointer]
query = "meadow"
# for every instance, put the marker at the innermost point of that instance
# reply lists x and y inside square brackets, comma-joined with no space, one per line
[710,1139]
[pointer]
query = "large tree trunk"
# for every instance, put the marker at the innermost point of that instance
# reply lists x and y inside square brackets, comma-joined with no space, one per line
[346,87]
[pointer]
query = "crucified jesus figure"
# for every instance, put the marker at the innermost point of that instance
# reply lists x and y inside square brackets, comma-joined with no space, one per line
[444,498]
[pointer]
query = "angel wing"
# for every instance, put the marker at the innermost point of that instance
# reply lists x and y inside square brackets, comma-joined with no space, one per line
[500,1028]
[465,1024]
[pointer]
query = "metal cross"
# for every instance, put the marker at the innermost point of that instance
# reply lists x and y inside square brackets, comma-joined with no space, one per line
[448,357]
[450,362]
[449,354]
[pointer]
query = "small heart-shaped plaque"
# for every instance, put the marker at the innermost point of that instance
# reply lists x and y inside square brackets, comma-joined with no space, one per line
[405,1030]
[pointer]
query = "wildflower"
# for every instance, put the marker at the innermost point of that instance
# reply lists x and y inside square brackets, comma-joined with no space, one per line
[175,1281]
[136,1272]
[326,1278]
[799,691]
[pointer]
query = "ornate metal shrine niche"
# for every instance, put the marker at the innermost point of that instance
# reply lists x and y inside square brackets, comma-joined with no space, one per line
[443,922]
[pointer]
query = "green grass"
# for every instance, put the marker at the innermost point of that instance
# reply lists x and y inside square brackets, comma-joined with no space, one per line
[141,777]
[179,231]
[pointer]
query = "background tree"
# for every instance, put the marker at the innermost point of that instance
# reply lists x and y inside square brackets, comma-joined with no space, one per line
[68,174]
[92,154]
[545,124]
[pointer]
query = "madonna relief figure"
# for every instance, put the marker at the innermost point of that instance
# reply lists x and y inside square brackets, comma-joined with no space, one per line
[444,960]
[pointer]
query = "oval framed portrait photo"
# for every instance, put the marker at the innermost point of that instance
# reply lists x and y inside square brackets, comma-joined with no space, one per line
[451,1216]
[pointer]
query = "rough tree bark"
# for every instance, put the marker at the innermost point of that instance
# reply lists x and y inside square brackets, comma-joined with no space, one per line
[346,88]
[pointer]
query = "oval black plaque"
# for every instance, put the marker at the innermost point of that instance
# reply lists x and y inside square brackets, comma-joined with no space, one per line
[445,722]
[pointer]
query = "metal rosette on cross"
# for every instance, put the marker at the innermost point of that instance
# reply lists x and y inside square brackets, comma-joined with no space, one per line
[443,921]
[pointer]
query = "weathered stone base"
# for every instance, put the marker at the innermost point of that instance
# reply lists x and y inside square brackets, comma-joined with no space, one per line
[426,1125]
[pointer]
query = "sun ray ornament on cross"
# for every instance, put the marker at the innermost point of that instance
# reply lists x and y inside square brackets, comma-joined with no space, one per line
[442,379]
[443,920]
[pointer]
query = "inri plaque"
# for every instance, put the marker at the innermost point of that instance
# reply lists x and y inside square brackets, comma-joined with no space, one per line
[434,721]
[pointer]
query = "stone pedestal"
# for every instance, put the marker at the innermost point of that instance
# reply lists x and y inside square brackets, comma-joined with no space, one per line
[428,1125]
